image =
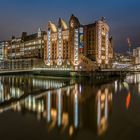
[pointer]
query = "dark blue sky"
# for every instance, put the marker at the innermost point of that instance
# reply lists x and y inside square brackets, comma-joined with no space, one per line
[123,16]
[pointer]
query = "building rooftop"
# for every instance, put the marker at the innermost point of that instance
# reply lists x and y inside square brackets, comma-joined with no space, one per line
[26,37]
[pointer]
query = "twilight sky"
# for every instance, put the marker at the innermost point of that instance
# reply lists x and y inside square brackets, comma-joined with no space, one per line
[123,16]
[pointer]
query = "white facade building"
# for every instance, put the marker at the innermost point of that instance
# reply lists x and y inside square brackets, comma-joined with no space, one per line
[136,55]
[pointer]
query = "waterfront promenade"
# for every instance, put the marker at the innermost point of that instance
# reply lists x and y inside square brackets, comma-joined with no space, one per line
[64,72]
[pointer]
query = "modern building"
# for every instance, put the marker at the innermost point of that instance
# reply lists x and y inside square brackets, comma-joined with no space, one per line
[121,61]
[26,51]
[136,55]
[3,52]
[78,46]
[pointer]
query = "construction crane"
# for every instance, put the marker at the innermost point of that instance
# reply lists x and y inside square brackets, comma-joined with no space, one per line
[129,44]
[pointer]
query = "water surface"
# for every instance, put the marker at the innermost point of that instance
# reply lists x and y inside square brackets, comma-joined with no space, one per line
[40,108]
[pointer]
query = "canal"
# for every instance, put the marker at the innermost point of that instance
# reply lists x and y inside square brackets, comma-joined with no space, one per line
[46,108]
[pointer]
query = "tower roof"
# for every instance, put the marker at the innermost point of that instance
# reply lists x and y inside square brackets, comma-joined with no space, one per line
[75,20]
[62,23]
[52,27]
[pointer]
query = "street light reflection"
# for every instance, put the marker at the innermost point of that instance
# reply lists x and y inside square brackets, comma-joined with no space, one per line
[60,103]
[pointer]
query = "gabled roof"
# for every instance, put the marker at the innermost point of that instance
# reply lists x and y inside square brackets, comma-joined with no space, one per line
[76,20]
[52,27]
[62,23]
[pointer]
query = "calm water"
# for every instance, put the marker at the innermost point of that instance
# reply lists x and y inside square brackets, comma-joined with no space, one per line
[41,108]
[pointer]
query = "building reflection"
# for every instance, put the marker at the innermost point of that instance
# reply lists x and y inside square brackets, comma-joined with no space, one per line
[56,107]
[14,87]
[134,79]
[104,104]
[64,105]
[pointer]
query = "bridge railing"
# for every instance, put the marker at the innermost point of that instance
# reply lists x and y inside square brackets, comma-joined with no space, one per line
[132,67]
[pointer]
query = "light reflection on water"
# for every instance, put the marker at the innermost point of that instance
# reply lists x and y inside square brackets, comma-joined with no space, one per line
[67,105]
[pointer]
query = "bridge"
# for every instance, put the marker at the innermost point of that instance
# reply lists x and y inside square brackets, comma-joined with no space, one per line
[131,68]
[65,72]
[81,72]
